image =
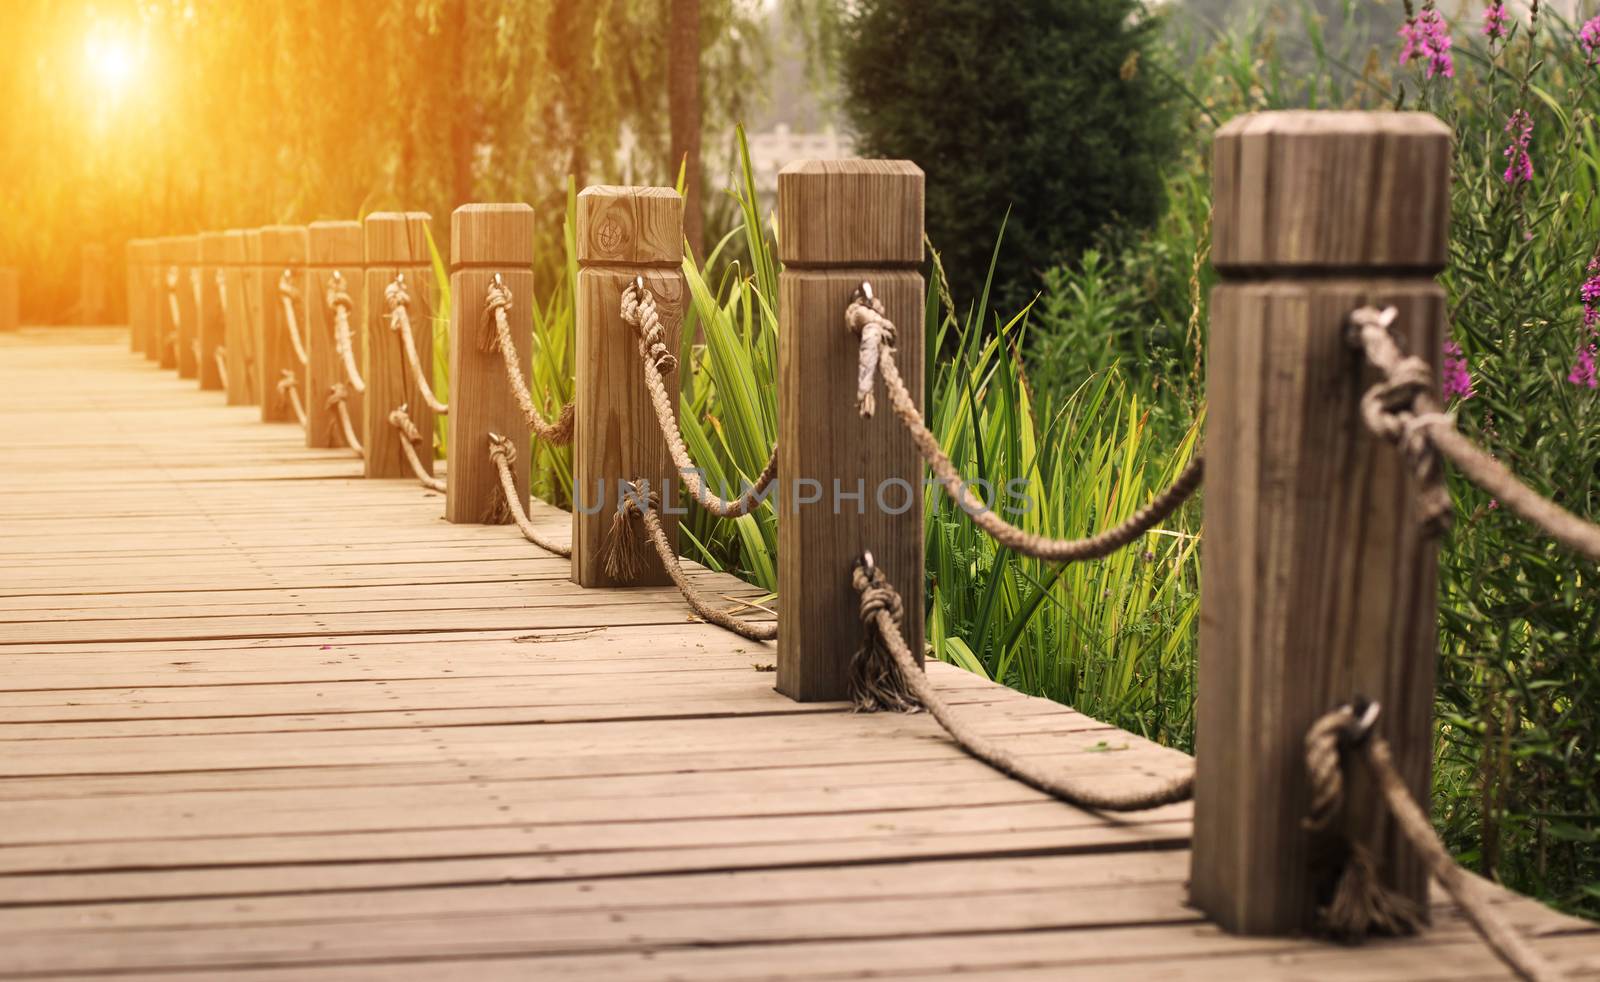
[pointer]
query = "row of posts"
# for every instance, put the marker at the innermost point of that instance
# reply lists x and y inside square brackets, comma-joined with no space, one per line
[1317,582]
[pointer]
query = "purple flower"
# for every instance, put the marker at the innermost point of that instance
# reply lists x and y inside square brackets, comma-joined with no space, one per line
[1519,163]
[1584,373]
[1495,19]
[1456,379]
[1589,39]
[1427,37]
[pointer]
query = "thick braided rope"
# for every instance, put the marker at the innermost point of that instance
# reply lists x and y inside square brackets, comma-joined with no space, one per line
[291,322]
[172,306]
[504,454]
[289,391]
[862,317]
[343,338]
[399,302]
[1402,408]
[497,337]
[639,312]
[409,437]
[1360,899]
[640,501]
[337,396]
[873,675]
[221,356]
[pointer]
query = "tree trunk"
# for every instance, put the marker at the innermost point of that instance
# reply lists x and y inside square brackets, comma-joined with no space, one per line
[683,109]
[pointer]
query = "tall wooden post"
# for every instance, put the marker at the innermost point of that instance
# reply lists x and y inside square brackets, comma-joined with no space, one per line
[211,335]
[335,248]
[168,272]
[623,233]
[237,335]
[1318,582]
[186,250]
[154,295]
[130,290]
[396,245]
[253,277]
[93,268]
[283,250]
[848,485]
[486,241]
[10,299]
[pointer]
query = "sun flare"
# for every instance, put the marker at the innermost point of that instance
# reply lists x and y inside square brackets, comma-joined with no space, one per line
[111,63]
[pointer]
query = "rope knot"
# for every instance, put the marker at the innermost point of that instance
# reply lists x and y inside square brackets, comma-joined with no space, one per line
[286,287]
[336,296]
[865,319]
[288,381]
[877,670]
[622,554]
[395,296]
[640,313]
[501,448]
[401,420]
[172,278]
[337,393]
[496,307]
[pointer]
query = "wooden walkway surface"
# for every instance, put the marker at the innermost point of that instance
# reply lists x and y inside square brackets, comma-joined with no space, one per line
[262,719]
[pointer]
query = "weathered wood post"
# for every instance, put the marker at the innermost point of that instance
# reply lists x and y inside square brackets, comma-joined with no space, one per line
[237,335]
[623,233]
[10,298]
[253,278]
[186,249]
[212,338]
[154,294]
[335,248]
[848,485]
[1318,581]
[396,245]
[169,278]
[283,253]
[485,241]
[132,276]
[93,269]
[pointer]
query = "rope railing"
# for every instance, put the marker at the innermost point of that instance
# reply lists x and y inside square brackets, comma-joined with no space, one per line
[290,295]
[399,302]
[639,312]
[504,454]
[338,395]
[172,307]
[409,437]
[289,391]
[865,317]
[496,336]
[339,302]
[1402,408]
[221,356]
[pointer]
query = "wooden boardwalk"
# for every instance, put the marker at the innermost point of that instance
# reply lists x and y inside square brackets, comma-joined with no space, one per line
[260,718]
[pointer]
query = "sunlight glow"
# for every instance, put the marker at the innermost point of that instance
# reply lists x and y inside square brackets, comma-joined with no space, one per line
[111,62]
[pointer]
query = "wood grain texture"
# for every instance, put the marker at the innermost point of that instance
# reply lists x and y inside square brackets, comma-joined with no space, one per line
[167,254]
[333,246]
[236,321]
[630,226]
[186,256]
[212,330]
[623,232]
[396,244]
[283,248]
[253,279]
[851,213]
[153,297]
[1318,582]
[254,728]
[485,240]
[131,258]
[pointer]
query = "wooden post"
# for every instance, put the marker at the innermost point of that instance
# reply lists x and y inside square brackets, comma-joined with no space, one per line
[186,250]
[236,321]
[132,274]
[1318,582]
[213,255]
[335,247]
[623,233]
[154,294]
[486,240]
[10,299]
[396,244]
[848,485]
[93,268]
[283,250]
[169,255]
[254,276]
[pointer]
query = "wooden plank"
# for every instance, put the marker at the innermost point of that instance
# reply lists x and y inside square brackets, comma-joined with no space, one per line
[623,233]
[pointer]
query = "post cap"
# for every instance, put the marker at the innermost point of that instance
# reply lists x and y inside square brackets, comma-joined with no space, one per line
[492,235]
[213,248]
[284,245]
[1340,190]
[396,238]
[186,250]
[252,247]
[850,213]
[634,226]
[334,243]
